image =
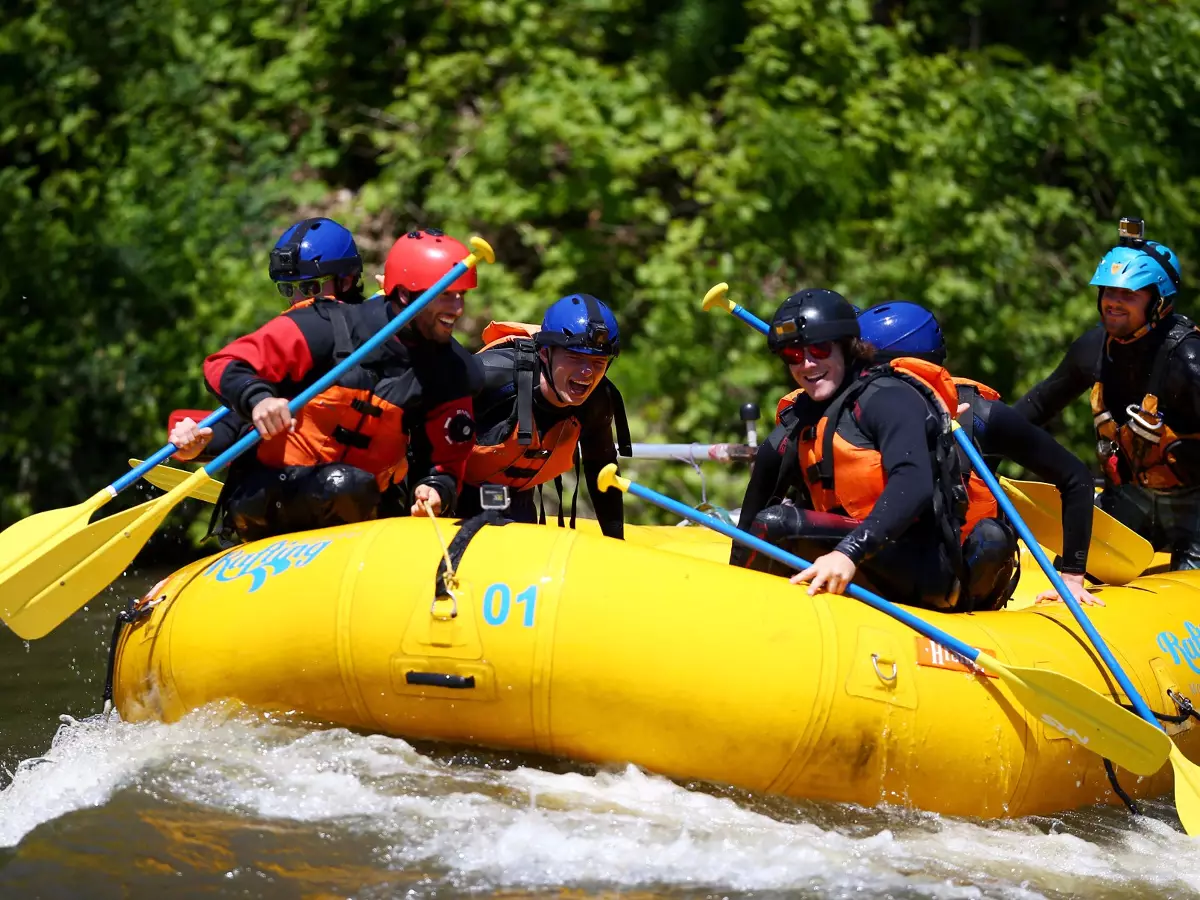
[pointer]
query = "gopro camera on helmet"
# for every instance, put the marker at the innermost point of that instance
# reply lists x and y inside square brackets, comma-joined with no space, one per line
[284,261]
[1131,232]
[597,335]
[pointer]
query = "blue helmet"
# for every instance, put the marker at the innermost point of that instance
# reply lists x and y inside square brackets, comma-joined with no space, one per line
[1136,267]
[314,249]
[899,328]
[581,323]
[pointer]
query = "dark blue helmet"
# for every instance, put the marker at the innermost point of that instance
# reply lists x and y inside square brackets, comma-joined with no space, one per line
[314,249]
[581,323]
[899,328]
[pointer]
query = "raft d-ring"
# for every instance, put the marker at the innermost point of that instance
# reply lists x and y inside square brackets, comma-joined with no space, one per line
[438,610]
[882,677]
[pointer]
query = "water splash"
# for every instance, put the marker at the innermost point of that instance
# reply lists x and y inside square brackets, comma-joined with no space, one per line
[480,821]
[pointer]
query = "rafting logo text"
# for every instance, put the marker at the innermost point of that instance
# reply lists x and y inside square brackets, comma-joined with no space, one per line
[1182,649]
[262,564]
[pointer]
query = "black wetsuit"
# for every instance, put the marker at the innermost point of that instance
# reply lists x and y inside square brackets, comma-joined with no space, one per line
[898,548]
[987,551]
[494,413]
[1006,433]
[1170,520]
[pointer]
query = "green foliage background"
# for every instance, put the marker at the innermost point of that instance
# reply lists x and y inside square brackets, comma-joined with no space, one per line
[971,155]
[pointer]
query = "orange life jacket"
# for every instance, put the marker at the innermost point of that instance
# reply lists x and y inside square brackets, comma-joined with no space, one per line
[980,502]
[500,334]
[524,459]
[1143,448]
[786,402]
[357,421]
[839,465]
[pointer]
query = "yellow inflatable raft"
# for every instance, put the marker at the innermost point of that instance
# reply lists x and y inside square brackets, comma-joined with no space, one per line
[652,651]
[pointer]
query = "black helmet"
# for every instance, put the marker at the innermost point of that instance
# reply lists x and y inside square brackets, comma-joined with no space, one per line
[810,317]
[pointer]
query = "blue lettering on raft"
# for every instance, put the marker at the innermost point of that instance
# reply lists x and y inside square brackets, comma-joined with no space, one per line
[1182,649]
[498,601]
[262,564]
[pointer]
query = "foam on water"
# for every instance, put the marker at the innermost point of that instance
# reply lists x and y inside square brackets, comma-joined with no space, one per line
[478,827]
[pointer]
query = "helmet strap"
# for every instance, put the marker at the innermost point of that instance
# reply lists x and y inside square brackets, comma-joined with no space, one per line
[1163,264]
[546,365]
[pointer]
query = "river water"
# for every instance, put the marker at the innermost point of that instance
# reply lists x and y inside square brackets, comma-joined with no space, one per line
[229,803]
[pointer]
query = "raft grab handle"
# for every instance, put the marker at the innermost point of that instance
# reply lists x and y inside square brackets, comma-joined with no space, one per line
[440,679]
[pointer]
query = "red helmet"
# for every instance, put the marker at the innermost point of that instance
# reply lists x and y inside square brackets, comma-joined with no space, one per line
[418,259]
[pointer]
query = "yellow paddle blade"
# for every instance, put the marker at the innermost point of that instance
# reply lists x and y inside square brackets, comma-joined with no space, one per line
[167,477]
[1117,554]
[41,529]
[1187,791]
[1085,716]
[51,584]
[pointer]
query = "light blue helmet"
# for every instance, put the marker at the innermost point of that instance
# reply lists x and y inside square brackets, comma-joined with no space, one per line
[1136,267]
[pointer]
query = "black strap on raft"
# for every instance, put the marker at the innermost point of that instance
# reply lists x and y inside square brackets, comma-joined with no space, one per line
[467,529]
[1186,711]
[130,614]
[1118,790]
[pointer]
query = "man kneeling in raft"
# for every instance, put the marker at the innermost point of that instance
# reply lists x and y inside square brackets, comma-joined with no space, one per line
[880,495]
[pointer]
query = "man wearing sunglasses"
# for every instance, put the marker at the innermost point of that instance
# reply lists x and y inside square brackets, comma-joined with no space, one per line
[332,462]
[866,455]
[315,258]
[547,404]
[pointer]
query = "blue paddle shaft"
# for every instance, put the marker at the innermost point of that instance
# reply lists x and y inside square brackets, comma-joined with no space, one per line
[949,641]
[1085,623]
[330,377]
[749,318]
[160,456]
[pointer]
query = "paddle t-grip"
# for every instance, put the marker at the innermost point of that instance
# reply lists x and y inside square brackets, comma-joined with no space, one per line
[750,413]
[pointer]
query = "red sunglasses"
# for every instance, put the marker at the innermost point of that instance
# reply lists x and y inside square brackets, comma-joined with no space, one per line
[793,354]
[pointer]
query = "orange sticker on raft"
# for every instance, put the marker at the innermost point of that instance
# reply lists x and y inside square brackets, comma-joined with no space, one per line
[938,657]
